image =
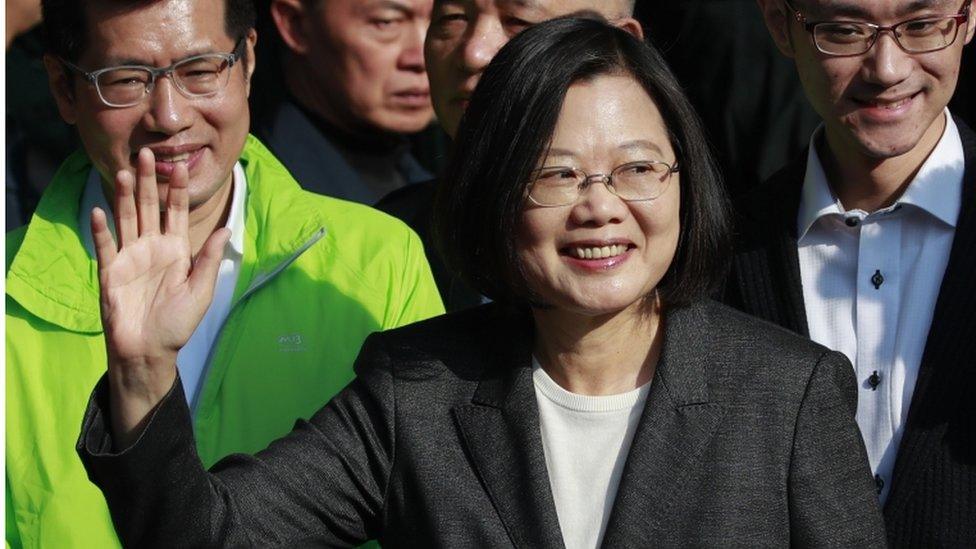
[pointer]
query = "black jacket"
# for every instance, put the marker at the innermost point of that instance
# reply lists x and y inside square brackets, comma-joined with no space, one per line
[932,501]
[747,439]
[414,205]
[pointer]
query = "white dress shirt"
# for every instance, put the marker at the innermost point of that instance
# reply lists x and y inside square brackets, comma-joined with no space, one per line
[192,358]
[586,440]
[870,283]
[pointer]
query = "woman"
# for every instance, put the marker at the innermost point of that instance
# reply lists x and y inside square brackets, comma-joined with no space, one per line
[600,400]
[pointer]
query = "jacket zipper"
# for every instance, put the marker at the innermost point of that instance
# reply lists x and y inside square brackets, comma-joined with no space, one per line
[259,281]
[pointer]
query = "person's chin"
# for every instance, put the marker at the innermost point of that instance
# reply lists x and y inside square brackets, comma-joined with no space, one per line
[411,122]
[595,302]
[888,142]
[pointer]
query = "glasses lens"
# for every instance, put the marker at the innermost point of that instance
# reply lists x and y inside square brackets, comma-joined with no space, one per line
[641,180]
[923,35]
[123,86]
[843,38]
[555,186]
[204,75]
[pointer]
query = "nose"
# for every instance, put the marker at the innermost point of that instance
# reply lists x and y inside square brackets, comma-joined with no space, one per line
[485,39]
[167,110]
[886,63]
[412,55]
[598,206]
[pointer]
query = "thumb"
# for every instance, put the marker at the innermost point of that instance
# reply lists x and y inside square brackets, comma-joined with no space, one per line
[203,277]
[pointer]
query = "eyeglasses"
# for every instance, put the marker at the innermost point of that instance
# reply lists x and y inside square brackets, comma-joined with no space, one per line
[848,38]
[198,76]
[632,182]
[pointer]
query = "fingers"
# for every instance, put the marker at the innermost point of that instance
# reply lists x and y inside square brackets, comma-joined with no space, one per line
[105,248]
[147,198]
[203,277]
[126,221]
[178,202]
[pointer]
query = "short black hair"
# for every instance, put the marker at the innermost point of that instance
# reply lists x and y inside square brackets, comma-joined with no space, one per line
[507,128]
[65,25]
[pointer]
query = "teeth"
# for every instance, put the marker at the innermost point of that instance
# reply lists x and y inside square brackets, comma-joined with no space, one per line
[600,252]
[894,105]
[175,158]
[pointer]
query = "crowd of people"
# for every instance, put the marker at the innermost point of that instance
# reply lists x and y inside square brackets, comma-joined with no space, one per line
[282,308]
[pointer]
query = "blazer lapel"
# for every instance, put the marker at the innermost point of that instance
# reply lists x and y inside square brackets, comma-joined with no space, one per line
[677,423]
[945,375]
[500,430]
[767,265]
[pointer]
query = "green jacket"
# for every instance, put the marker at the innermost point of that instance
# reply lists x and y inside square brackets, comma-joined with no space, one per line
[318,275]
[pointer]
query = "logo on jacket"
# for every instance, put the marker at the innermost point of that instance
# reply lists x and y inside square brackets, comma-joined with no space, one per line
[291,343]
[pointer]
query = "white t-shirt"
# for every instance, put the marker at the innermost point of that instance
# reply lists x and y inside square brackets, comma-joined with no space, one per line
[586,440]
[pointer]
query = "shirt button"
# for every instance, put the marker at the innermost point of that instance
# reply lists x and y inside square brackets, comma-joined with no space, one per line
[878,483]
[874,380]
[852,221]
[877,279]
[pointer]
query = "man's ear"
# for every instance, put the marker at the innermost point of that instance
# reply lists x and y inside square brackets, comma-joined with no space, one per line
[289,17]
[61,88]
[249,42]
[630,25]
[970,23]
[778,23]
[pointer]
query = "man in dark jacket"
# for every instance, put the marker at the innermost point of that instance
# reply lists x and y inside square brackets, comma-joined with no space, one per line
[463,38]
[865,244]
[346,85]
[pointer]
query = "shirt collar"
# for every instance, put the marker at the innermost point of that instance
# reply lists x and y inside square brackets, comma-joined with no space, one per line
[816,198]
[94,195]
[935,189]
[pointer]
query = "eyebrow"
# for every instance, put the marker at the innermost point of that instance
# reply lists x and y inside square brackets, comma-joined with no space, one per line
[856,9]
[636,144]
[641,144]
[123,61]
[530,4]
[388,4]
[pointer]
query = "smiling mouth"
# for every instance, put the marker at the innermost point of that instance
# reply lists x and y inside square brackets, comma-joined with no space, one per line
[879,103]
[597,252]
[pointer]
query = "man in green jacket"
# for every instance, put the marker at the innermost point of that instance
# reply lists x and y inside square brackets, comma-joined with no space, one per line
[162,86]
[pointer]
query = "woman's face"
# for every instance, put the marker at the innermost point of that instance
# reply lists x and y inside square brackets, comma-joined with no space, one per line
[604,123]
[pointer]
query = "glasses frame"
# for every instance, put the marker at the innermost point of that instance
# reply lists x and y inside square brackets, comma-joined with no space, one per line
[606,179]
[961,17]
[230,58]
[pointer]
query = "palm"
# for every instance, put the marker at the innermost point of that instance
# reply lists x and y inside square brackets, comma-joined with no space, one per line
[147,302]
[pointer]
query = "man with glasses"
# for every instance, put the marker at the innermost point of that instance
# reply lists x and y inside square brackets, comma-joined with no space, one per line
[866,243]
[158,93]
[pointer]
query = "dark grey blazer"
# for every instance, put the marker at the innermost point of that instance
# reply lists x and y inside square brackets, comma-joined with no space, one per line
[932,501]
[747,440]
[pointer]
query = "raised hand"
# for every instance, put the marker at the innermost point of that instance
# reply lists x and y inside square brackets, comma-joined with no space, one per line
[153,295]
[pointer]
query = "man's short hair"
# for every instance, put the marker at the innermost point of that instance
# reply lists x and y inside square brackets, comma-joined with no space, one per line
[507,128]
[65,23]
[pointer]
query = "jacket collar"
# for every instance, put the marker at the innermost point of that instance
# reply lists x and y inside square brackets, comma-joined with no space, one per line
[311,153]
[501,431]
[53,277]
[280,220]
